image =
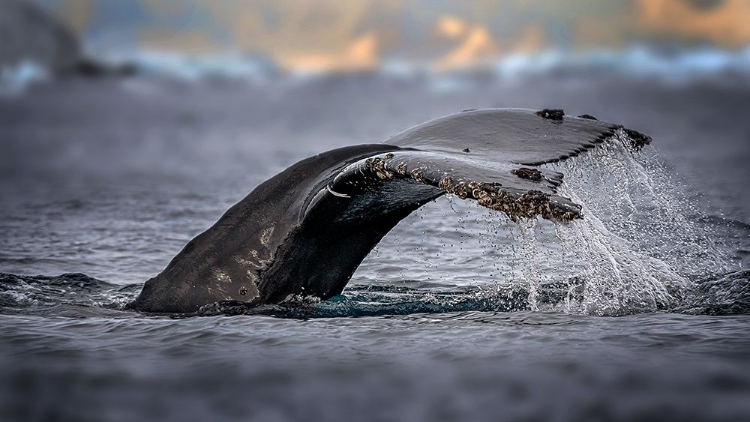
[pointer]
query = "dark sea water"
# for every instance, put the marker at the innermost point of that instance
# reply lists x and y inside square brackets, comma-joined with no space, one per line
[639,312]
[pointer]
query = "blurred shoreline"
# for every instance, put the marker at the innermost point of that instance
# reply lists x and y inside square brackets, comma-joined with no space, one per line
[636,63]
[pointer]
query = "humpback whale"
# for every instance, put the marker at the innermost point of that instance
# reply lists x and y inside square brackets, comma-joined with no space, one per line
[307,229]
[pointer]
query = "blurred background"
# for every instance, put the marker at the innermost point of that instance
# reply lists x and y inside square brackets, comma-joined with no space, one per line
[303,36]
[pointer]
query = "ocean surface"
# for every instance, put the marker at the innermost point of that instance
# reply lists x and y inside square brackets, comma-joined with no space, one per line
[641,311]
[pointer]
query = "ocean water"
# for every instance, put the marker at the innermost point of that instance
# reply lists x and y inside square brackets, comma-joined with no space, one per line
[638,312]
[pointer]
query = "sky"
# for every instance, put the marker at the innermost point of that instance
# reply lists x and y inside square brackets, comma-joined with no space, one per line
[361,34]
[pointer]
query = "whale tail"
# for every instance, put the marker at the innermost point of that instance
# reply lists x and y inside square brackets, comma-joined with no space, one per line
[306,230]
[489,156]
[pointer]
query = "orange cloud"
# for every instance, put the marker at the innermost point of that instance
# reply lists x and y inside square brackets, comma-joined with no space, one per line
[363,52]
[477,47]
[356,34]
[450,27]
[727,23]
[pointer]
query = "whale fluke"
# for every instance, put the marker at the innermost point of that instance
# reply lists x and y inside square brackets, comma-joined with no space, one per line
[307,229]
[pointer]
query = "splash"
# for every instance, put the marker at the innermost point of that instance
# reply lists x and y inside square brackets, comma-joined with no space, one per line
[618,279]
[636,199]
[529,251]
[640,246]
[643,245]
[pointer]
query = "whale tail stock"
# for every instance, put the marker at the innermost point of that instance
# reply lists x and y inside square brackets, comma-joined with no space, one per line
[306,230]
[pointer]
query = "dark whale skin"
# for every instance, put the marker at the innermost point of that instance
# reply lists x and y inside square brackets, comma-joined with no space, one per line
[306,230]
[229,261]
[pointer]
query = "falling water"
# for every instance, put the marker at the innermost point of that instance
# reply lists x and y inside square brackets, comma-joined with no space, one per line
[637,200]
[638,247]
[529,257]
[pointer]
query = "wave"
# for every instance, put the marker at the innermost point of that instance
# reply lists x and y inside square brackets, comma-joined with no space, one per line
[44,294]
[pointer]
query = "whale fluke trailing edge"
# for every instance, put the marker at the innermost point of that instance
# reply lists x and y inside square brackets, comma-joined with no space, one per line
[307,229]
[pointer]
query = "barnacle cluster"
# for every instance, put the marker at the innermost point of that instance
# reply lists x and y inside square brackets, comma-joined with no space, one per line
[515,204]
[527,173]
[376,165]
[551,113]
[636,139]
[493,196]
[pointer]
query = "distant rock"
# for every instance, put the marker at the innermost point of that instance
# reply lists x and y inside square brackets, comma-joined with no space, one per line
[30,34]
[91,68]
